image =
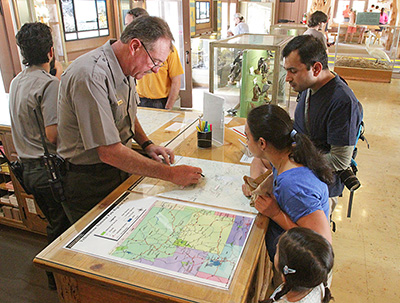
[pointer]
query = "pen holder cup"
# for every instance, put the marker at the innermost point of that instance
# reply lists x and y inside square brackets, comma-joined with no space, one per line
[204,139]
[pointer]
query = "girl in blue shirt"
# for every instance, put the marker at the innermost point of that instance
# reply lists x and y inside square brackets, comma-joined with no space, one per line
[299,195]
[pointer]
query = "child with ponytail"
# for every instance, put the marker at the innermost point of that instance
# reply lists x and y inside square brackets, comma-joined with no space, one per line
[299,195]
[304,259]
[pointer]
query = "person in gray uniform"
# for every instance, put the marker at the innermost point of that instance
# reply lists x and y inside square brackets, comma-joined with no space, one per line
[97,118]
[33,88]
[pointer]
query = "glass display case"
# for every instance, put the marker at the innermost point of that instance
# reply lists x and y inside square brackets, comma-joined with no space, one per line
[371,56]
[247,70]
[200,60]
[288,29]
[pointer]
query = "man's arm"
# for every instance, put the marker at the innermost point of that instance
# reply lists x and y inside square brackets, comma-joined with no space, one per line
[340,156]
[51,133]
[174,92]
[154,151]
[126,159]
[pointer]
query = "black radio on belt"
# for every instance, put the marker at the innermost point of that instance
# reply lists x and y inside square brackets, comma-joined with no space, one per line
[55,166]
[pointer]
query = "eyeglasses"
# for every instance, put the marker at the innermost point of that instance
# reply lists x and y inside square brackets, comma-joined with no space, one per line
[153,69]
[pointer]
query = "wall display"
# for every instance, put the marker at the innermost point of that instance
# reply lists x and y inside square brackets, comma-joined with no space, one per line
[182,240]
[247,70]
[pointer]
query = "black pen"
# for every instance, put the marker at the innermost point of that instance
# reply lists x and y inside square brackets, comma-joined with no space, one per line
[202,175]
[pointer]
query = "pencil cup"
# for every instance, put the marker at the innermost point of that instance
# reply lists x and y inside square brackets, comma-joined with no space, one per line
[204,139]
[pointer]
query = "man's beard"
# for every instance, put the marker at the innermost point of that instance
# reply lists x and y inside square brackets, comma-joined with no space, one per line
[52,63]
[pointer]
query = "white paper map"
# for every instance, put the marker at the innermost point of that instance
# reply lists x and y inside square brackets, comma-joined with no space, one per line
[151,120]
[200,244]
[221,186]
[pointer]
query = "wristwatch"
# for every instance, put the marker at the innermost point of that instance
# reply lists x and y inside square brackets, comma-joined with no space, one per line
[146,143]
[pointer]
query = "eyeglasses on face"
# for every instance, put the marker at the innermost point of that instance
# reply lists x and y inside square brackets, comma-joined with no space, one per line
[154,68]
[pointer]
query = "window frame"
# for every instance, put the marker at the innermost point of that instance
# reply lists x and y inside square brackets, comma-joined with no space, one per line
[98,29]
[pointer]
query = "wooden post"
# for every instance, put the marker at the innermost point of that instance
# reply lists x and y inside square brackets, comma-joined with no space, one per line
[320,5]
[395,15]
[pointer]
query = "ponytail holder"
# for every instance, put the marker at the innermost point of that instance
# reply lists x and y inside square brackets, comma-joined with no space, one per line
[287,270]
[293,134]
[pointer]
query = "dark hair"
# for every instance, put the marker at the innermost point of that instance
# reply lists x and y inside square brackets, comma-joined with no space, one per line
[273,123]
[148,30]
[310,255]
[35,42]
[316,18]
[310,50]
[137,12]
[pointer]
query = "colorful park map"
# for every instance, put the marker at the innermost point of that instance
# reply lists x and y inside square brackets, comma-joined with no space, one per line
[192,241]
[200,244]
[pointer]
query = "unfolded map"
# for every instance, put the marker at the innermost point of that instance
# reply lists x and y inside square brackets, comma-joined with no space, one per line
[221,186]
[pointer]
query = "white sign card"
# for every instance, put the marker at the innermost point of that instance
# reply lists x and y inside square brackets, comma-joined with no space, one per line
[213,112]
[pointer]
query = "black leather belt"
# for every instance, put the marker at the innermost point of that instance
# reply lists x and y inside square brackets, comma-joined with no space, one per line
[87,168]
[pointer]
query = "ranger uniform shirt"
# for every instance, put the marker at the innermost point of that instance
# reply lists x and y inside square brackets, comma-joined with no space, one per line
[97,106]
[32,88]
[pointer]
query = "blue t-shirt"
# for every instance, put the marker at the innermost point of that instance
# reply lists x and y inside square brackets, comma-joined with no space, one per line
[299,193]
[334,119]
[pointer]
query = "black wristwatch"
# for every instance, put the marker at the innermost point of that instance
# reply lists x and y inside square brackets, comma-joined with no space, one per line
[146,143]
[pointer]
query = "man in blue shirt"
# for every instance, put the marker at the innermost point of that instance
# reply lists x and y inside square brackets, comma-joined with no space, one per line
[327,109]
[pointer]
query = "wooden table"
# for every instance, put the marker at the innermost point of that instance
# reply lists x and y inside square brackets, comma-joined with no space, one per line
[84,278]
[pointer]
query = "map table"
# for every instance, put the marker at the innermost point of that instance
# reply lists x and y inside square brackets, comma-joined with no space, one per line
[83,277]
[200,244]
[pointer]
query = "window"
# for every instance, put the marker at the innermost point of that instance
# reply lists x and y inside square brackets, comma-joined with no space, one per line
[340,6]
[84,19]
[202,12]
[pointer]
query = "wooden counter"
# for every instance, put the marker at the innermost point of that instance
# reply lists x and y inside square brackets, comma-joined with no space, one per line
[84,278]
[155,123]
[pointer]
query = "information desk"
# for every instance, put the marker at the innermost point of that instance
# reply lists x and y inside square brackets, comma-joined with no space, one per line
[84,278]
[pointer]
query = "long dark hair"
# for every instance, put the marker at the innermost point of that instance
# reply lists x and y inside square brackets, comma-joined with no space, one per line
[309,258]
[273,123]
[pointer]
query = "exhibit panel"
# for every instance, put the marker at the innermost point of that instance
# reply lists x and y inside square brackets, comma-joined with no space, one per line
[248,70]
[375,57]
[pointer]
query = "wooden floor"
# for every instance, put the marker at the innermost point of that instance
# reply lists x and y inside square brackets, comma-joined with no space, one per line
[20,280]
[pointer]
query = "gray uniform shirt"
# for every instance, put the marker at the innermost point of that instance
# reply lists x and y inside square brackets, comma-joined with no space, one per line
[317,34]
[26,90]
[97,106]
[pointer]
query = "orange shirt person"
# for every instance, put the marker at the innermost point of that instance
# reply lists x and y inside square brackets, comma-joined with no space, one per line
[346,14]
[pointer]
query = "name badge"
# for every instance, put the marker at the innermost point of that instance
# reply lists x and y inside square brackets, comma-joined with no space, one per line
[120,102]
